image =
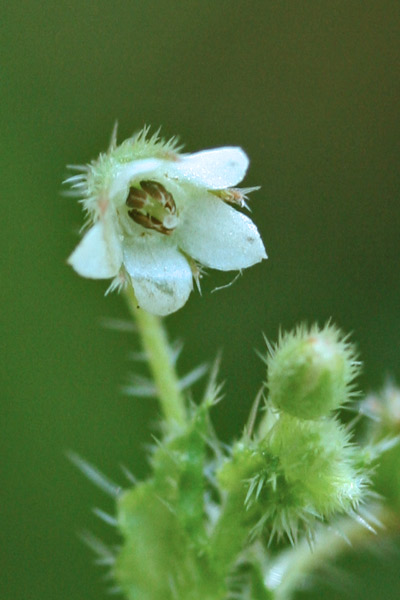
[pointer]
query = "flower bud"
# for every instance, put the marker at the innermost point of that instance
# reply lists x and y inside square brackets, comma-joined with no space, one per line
[384,433]
[301,472]
[310,372]
[318,465]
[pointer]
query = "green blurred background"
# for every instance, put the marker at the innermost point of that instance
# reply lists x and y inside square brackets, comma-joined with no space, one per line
[310,89]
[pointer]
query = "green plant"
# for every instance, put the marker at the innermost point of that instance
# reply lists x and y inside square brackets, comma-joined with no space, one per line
[253,519]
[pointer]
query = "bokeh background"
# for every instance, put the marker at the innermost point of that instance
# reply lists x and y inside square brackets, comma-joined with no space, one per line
[310,90]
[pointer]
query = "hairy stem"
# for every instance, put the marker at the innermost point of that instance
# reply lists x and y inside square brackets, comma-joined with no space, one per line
[155,344]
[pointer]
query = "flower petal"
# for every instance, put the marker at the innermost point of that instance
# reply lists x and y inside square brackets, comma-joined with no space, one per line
[161,276]
[99,254]
[218,236]
[129,172]
[214,169]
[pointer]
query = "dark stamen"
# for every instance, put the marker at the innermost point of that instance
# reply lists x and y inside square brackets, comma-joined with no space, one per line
[152,198]
[136,198]
[149,222]
[160,194]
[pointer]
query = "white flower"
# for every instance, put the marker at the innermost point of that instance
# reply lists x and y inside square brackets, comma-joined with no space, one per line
[155,213]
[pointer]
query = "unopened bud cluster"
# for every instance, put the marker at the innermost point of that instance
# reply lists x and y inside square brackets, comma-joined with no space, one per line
[302,466]
[204,517]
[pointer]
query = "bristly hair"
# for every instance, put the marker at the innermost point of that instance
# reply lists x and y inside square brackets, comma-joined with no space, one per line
[87,184]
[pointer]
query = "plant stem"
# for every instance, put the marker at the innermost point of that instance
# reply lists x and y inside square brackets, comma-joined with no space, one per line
[155,344]
[291,567]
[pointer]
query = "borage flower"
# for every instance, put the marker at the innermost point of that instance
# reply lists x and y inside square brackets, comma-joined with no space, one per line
[155,214]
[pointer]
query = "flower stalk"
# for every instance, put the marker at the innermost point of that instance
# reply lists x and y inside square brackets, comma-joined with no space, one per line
[155,343]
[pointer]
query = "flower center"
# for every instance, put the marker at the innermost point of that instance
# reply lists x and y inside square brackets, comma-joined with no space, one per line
[152,207]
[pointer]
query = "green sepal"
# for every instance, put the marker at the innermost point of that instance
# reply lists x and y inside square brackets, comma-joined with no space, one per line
[178,470]
[236,522]
[154,556]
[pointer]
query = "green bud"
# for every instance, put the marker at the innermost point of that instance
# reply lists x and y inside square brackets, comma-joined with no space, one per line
[301,472]
[317,466]
[384,410]
[384,434]
[310,372]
